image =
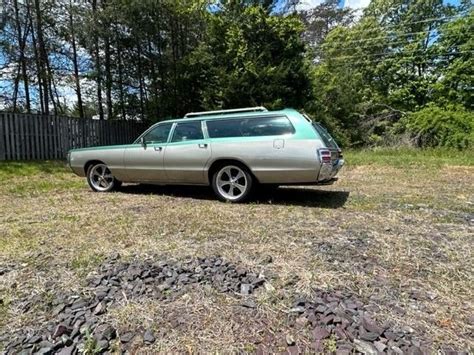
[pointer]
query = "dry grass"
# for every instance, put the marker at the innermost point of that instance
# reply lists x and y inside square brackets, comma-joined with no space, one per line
[381,232]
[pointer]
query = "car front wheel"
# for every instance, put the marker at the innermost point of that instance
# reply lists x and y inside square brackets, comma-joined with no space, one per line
[232,183]
[100,178]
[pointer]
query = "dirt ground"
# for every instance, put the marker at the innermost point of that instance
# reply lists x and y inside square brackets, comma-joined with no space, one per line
[399,237]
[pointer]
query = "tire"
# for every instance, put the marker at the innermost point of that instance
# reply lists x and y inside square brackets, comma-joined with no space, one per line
[232,183]
[100,178]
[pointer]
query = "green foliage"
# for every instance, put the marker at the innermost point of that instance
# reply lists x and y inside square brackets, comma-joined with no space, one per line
[435,126]
[255,59]
[397,59]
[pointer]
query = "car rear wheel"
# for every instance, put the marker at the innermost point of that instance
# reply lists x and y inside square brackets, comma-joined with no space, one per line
[100,178]
[232,183]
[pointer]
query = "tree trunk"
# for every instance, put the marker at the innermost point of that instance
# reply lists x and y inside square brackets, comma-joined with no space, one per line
[154,83]
[38,65]
[43,57]
[108,79]
[96,56]
[75,63]
[120,78]
[22,59]
[140,80]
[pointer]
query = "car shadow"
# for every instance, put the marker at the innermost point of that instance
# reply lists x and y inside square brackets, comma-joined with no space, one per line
[297,196]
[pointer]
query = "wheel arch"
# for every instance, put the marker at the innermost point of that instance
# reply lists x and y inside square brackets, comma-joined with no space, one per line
[216,164]
[91,162]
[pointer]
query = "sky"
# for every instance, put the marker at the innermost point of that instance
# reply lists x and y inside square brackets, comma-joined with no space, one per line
[355,4]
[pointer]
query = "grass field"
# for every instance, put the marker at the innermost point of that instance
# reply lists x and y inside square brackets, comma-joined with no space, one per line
[397,225]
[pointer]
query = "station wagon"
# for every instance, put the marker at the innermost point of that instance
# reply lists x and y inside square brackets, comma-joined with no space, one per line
[234,151]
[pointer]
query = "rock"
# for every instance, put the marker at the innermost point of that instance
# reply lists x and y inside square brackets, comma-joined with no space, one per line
[34,339]
[321,308]
[102,345]
[391,335]
[58,309]
[407,330]
[396,350]
[99,309]
[60,330]
[105,332]
[78,304]
[302,321]
[298,309]
[380,346]
[245,289]
[148,337]
[127,337]
[67,350]
[65,340]
[365,347]
[267,260]
[371,326]
[290,341]
[45,348]
[415,350]
[365,335]
[328,319]
[320,333]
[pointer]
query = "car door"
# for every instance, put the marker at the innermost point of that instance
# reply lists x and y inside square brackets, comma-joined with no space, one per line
[144,162]
[187,153]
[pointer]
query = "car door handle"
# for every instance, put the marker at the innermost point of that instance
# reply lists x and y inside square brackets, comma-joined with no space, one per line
[158,149]
[202,145]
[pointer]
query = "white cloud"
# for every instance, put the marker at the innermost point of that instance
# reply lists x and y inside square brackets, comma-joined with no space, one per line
[356,4]
[308,4]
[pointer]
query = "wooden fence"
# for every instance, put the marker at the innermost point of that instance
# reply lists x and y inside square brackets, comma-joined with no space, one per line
[37,137]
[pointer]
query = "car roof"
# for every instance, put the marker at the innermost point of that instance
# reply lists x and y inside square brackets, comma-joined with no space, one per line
[231,115]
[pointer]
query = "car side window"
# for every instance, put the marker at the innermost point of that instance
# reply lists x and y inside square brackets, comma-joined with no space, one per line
[266,126]
[186,131]
[159,134]
[250,127]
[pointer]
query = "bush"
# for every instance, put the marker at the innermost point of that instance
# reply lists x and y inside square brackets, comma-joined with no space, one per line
[435,126]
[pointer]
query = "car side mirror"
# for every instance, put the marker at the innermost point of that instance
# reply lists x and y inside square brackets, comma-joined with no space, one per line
[142,142]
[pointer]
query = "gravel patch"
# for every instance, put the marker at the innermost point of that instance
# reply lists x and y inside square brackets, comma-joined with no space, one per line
[341,322]
[77,321]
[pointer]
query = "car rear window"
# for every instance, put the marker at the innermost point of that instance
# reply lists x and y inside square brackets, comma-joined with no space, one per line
[250,127]
[325,136]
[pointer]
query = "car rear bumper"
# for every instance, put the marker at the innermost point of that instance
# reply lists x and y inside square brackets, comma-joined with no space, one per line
[329,171]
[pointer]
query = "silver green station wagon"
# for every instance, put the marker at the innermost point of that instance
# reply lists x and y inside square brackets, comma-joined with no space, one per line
[234,151]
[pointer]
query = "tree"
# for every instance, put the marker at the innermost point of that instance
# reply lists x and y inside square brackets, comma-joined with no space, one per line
[256,59]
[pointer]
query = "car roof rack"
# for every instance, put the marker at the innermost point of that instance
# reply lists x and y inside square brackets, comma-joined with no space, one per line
[227,112]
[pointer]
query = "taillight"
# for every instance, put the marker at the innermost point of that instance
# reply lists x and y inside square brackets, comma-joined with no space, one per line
[325,155]
[340,153]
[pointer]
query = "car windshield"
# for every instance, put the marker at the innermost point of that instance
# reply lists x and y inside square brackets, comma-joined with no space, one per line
[323,133]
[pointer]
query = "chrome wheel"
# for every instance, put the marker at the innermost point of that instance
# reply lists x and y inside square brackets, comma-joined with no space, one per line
[232,182]
[101,178]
